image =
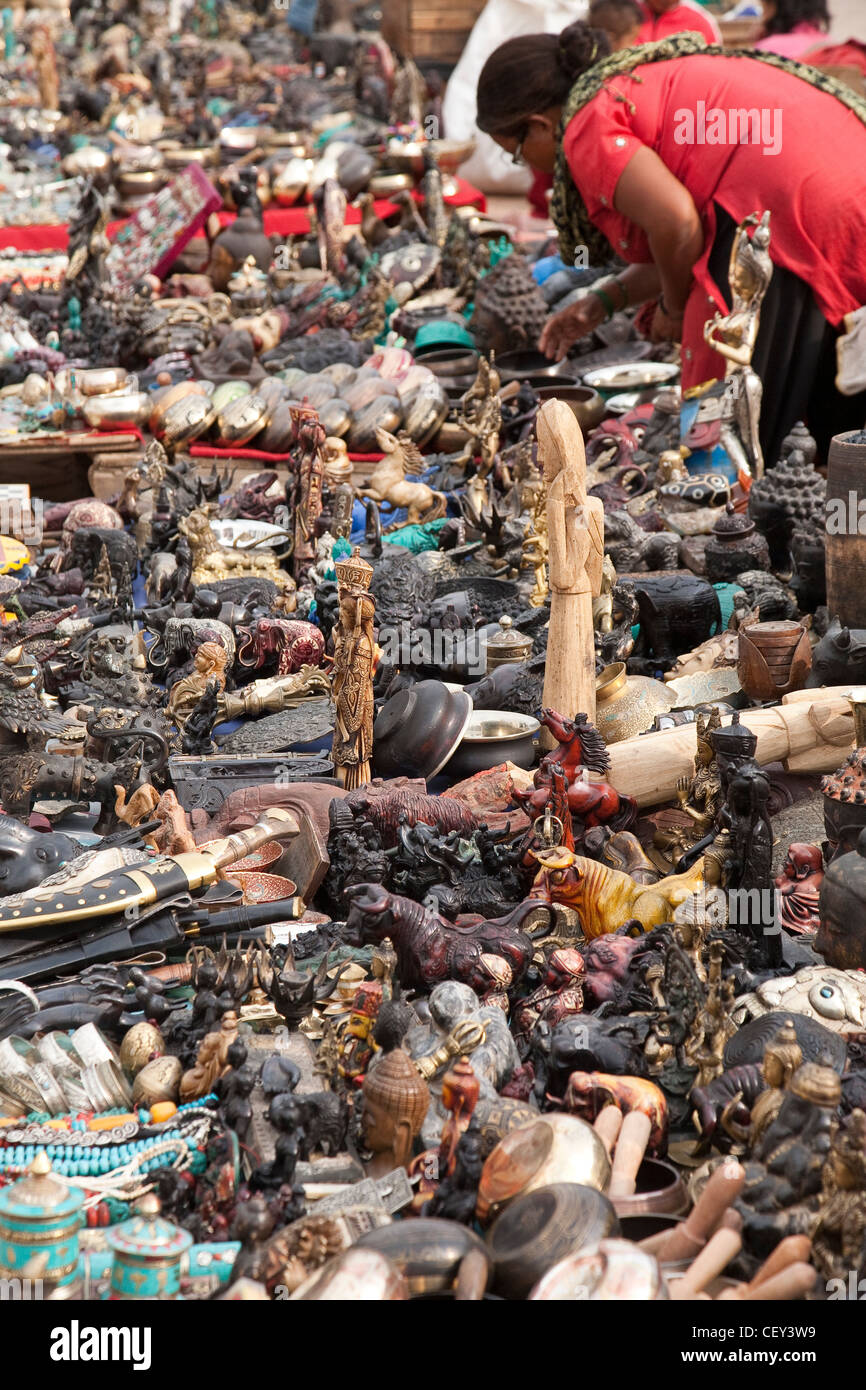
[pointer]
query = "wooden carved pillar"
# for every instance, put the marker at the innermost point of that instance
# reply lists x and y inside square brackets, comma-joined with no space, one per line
[575,538]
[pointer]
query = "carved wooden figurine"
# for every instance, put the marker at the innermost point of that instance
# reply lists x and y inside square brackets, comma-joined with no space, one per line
[355,658]
[575,538]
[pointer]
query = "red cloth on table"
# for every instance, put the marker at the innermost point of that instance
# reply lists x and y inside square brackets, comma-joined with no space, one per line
[278,222]
[682,19]
[814,187]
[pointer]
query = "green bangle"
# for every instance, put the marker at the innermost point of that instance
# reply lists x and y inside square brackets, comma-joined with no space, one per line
[605,299]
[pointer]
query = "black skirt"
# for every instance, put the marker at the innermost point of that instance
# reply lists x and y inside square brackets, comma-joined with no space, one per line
[795,356]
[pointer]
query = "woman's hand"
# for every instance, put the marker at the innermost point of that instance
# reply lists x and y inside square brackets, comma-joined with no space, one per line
[564,329]
[666,328]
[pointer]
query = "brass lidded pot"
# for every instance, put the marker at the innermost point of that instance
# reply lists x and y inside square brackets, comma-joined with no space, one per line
[507,645]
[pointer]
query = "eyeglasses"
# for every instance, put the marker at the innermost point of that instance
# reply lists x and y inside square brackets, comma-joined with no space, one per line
[517,157]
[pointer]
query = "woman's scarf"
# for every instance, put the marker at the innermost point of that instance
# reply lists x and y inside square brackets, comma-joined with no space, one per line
[567,207]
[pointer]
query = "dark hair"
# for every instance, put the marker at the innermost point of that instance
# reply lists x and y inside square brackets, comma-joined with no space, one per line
[615,17]
[533,72]
[790,13]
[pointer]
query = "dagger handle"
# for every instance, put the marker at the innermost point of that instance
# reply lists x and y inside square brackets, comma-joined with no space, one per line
[275,823]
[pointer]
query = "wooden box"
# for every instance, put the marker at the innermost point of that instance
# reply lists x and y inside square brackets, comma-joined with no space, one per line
[432,31]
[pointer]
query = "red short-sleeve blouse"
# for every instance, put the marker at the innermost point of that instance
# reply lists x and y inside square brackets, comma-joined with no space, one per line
[803,158]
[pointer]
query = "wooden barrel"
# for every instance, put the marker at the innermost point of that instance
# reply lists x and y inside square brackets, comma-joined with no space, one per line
[846,531]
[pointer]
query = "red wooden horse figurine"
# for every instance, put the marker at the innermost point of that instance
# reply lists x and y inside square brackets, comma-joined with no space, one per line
[581,749]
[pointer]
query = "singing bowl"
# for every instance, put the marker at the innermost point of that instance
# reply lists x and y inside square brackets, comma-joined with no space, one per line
[427,1252]
[659,1190]
[612,1270]
[180,156]
[493,737]
[408,155]
[585,404]
[117,412]
[96,381]
[629,376]
[418,729]
[386,185]
[541,381]
[517,366]
[137,183]
[552,1149]
[241,139]
[259,887]
[448,361]
[543,1227]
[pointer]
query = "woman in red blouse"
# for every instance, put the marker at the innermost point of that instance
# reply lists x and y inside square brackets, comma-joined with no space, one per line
[665,159]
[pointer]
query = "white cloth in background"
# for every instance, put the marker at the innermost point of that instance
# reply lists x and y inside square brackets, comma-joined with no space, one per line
[490,168]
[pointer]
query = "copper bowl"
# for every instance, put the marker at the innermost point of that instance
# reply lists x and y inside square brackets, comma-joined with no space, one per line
[259,887]
[659,1189]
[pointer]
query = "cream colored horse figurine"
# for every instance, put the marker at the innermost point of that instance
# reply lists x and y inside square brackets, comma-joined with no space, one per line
[388,483]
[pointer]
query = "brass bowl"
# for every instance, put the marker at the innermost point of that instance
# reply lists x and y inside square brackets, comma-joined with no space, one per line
[543,1227]
[613,1269]
[117,412]
[553,1149]
[585,404]
[428,1252]
[179,156]
[291,183]
[386,185]
[407,156]
[138,183]
[242,139]
[95,381]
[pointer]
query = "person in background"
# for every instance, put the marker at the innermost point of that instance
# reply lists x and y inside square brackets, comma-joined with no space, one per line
[621,20]
[634,179]
[794,27]
[665,17]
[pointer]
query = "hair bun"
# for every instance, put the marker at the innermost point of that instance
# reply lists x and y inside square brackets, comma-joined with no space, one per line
[580,46]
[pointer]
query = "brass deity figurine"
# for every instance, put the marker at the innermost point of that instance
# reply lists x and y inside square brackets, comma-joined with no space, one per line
[534,548]
[356,655]
[480,415]
[209,665]
[214,561]
[698,796]
[839,1239]
[734,336]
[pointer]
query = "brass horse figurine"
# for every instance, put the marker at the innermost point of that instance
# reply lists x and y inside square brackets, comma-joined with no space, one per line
[388,482]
